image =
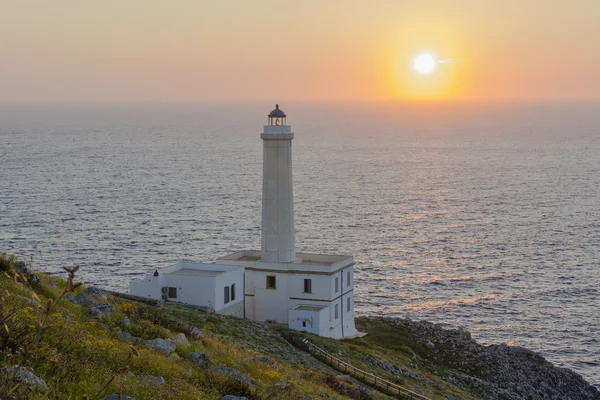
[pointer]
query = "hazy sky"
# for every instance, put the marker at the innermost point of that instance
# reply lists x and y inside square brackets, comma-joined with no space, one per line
[196,50]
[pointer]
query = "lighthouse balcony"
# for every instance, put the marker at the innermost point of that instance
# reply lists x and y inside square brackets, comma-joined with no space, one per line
[274,129]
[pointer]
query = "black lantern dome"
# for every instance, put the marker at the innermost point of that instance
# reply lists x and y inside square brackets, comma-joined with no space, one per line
[277,116]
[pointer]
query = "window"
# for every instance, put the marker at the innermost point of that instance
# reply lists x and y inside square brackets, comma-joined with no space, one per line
[172,292]
[337,312]
[349,280]
[233,292]
[337,284]
[348,304]
[304,324]
[308,286]
[226,299]
[271,283]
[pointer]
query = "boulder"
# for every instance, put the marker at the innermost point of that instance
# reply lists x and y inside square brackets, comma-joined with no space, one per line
[221,369]
[194,333]
[232,397]
[181,340]
[126,337]
[81,298]
[117,397]
[201,359]
[165,346]
[126,321]
[97,293]
[21,373]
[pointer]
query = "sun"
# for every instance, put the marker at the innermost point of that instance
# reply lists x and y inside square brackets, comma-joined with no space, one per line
[424,63]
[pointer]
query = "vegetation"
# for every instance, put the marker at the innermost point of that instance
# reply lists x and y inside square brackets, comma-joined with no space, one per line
[80,352]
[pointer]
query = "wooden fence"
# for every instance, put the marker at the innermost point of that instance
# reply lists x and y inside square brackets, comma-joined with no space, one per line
[342,366]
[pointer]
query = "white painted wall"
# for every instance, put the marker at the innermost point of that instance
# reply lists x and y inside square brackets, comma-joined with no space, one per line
[227,279]
[278,238]
[314,321]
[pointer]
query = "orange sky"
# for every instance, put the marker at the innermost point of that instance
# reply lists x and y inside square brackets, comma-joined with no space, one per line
[195,50]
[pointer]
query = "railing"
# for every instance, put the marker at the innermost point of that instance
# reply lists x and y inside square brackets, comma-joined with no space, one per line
[342,366]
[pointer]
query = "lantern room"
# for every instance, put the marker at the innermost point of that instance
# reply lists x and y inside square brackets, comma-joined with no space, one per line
[277,117]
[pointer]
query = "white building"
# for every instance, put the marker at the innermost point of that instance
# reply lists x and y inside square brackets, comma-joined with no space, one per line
[215,286]
[308,292]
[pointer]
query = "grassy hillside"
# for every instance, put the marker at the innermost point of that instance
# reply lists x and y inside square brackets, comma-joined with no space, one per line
[59,340]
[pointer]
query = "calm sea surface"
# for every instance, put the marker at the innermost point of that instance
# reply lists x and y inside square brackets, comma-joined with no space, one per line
[486,217]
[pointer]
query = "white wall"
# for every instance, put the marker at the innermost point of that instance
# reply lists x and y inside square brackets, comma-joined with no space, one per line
[148,287]
[191,289]
[313,321]
[227,279]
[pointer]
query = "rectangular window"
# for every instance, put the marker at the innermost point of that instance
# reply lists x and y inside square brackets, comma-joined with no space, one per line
[172,292]
[337,284]
[349,280]
[337,312]
[348,304]
[308,286]
[271,283]
[226,293]
[233,292]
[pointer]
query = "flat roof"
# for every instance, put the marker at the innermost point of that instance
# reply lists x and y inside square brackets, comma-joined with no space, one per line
[306,307]
[301,258]
[194,272]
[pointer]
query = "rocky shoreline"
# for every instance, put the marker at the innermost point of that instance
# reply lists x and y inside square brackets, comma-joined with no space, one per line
[493,371]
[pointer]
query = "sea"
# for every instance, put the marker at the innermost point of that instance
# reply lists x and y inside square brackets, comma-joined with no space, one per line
[482,215]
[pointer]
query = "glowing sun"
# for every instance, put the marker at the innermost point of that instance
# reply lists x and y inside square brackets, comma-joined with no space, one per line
[424,63]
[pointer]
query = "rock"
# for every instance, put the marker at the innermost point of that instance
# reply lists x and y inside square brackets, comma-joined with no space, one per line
[181,340]
[265,360]
[232,397]
[194,333]
[222,369]
[105,308]
[97,293]
[126,337]
[126,321]
[81,298]
[28,272]
[22,373]
[430,345]
[165,346]
[155,380]
[201,359]
[117,397]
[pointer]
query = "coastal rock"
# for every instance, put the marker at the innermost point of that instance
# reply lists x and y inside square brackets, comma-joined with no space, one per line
[232,397]
[96,292]
[117,397]
[17,372]
[126,322]
[81,298]
[165,346]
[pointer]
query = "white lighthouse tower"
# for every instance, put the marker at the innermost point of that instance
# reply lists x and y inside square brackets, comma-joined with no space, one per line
[303,291]
[278,239]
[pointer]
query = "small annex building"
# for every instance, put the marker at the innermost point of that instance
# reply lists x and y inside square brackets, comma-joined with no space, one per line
[305,291]
[217,287]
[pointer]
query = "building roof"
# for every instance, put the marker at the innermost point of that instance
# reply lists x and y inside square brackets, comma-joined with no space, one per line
[277,113]
[308,307]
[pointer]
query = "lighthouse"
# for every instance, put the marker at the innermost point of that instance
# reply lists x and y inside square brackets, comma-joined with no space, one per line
[278,239]
[306,291]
